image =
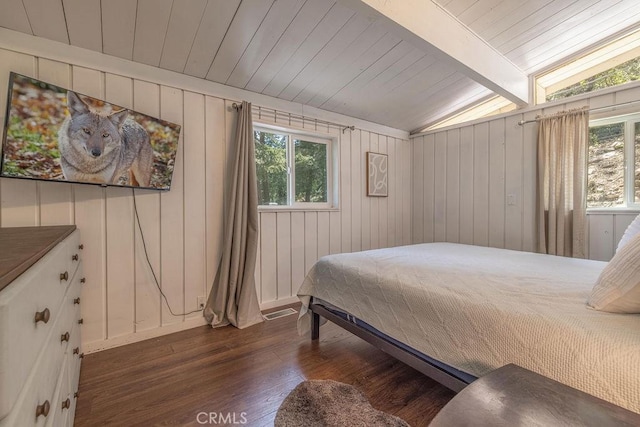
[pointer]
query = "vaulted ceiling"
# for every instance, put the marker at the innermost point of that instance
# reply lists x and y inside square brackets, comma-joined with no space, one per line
[401,63]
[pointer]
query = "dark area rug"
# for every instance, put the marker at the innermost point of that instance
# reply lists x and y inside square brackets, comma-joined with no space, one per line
[330,403]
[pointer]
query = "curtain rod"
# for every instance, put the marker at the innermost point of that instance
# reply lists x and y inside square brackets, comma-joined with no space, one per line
[238,107]
[523,122]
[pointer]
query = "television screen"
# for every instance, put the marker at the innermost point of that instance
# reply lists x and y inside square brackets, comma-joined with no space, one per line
[52,133]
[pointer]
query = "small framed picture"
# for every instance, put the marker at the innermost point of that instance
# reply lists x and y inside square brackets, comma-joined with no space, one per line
[377,181]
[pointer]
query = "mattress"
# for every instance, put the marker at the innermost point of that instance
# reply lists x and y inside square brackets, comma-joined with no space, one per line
[477,309]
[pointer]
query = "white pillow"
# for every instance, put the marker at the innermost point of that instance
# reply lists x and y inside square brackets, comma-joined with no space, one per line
[632,230]
[618,287]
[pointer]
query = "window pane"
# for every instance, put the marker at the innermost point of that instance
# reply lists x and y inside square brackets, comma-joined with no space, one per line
[271,168]
[623,73]
[606,166]
[311,171]
[636,179]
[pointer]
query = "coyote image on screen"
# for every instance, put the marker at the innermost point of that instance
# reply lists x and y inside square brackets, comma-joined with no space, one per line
[100,147]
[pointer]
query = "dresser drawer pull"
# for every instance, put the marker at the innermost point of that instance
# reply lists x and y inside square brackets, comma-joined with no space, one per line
[76,300]
[80,321]
[76,350]
[81,246]
[74,257]
[43,409]
[64,337]
[66,404]
[43,316]
[64,276]
[83,280]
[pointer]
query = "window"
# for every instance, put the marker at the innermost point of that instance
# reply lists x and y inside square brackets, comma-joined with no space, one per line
[293,169]
[624,73]
[611,65]
[614,162]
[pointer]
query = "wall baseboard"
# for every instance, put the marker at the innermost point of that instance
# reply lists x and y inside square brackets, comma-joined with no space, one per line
[279,302]
[95,346]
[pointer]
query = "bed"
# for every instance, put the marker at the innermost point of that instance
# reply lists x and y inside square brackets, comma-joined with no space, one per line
[456,312]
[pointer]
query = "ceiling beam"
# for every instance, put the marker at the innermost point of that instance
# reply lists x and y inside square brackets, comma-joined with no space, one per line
[429,27]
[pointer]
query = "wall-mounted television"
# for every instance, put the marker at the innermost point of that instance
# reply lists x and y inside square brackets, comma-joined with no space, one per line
[52,133]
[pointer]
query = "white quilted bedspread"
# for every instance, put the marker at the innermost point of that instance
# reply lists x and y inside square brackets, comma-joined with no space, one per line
[477,308]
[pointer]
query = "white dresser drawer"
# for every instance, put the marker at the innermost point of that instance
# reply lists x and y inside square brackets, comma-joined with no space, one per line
[73,359]
[61,401]
[72,411]
[69,315]
[74,354]
[73,348]
[74,253]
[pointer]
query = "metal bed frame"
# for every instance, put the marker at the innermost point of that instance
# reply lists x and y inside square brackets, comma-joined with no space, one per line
[438,371]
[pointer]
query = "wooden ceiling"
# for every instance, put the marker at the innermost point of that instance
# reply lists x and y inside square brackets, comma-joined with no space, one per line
[401,63]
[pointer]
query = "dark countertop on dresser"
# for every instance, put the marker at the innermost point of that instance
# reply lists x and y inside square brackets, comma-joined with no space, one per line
[21,247]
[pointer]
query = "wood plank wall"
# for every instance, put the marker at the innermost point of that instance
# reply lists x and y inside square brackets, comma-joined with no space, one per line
[292,241]
[183,228]
[475,183]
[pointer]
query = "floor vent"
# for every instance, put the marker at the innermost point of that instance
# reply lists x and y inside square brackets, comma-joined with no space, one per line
[279,313]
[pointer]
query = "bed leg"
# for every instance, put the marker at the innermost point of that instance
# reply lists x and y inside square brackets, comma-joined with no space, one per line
[315,326]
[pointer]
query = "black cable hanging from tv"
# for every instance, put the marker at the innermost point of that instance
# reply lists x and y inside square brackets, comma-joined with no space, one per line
[146,254]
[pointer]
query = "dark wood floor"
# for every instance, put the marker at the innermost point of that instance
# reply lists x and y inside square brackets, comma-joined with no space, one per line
[169,380]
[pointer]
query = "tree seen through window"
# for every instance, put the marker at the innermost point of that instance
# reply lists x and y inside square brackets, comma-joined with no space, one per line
[311,171]
[614,162]
[291,169]
[271,168]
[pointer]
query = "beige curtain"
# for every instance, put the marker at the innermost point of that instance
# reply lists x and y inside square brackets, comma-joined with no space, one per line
[233,298]
[562,177]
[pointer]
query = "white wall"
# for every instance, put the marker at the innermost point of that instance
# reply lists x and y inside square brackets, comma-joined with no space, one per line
[464,177]
[606,230]
[183,227]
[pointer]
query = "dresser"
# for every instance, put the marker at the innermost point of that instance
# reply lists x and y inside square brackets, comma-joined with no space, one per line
[40,354]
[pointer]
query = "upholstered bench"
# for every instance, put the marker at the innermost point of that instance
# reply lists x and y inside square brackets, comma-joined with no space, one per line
[514,396]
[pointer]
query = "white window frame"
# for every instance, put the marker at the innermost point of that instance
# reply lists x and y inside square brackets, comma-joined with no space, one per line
[293,134]
[629,159]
